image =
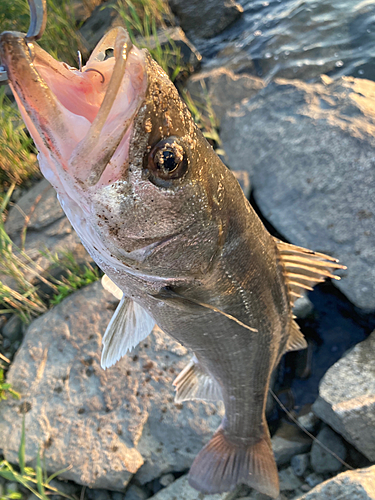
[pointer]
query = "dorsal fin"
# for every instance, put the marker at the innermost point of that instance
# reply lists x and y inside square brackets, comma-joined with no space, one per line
[304,268]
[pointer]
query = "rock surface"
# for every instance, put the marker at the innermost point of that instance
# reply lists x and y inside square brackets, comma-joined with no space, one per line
[321,460]
[223,88]
[350,485]
[107,424]
[181,490]
[347,397]
[39,215]
[206,18]
[309,149]
[288,441]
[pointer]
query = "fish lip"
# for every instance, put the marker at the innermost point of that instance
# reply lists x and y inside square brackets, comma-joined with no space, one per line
[24,62]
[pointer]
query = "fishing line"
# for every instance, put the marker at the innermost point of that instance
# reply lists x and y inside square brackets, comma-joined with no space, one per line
[293,418]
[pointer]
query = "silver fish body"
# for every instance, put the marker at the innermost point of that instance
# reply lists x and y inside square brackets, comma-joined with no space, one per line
[169,225]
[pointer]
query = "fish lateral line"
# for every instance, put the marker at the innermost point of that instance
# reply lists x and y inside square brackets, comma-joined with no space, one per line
[169,293]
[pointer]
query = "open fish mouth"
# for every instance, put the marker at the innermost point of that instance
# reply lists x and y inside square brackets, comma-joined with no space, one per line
[80,119]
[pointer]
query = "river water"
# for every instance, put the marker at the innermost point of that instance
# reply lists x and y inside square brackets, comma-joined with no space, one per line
[300,39]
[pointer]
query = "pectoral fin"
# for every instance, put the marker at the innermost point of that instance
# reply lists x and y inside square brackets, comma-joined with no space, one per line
[194,382]
[129,325]
[111,287]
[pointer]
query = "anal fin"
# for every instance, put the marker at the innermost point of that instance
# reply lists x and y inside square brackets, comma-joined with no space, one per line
[296,340]
[194,382]
[222,464]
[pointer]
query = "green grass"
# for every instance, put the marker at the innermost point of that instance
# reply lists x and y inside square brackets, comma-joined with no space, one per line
[76,276]
[204,116]
[6,388]
[17,152]
[34,480]
[142,18]
[61,38]
[25,298]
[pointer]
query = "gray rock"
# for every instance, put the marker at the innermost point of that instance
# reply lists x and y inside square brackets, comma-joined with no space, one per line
[309,149]
[180,489]
[243,180]
[134,492]
[36,209]
[288,480]
[346,399]
[350,485]
[300,463]
[314,479]
[303,307]
[107,424]
[308,420]
[98,495]
[321,460]
[12,330]
[97,25]
[173,38]
[39,212]
[288,441]
[205,18]
[167,479]
[223,89]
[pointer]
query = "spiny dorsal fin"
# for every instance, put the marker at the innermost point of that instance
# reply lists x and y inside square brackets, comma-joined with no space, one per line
[304,268]
[195,383]
[296,340]
[129,325]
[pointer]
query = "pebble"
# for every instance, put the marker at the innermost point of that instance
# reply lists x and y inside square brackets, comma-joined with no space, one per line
[300,463]
[287,442]
[309,421]
[134,492]
[321,460]
[314,479]
[167,479]
[288,480]
[12,329]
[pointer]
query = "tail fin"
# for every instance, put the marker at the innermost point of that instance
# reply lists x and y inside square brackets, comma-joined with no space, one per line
[221,465]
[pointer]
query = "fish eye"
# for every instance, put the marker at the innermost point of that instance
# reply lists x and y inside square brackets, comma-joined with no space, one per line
[167,159]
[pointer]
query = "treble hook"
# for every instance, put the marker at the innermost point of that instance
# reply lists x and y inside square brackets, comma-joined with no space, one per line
[38,21]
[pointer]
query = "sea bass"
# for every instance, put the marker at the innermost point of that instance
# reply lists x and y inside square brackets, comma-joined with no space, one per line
[170,226]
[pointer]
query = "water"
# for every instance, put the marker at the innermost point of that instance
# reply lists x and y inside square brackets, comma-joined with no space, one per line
[300,39]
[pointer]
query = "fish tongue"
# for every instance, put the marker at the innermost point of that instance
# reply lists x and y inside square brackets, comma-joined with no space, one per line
[90,151]
[41,111]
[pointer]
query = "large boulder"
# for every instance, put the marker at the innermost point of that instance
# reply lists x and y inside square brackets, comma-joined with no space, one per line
[108,425]
[309,149]
[351,485]
[205,18]
[222,88]
[346,397]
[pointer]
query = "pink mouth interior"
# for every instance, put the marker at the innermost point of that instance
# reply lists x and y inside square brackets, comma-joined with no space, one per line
[79,96]
[80,92]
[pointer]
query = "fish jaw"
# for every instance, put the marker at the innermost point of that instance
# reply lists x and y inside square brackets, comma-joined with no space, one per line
[79,120]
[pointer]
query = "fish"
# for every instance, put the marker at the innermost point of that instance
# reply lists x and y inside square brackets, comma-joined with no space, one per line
[179,243]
